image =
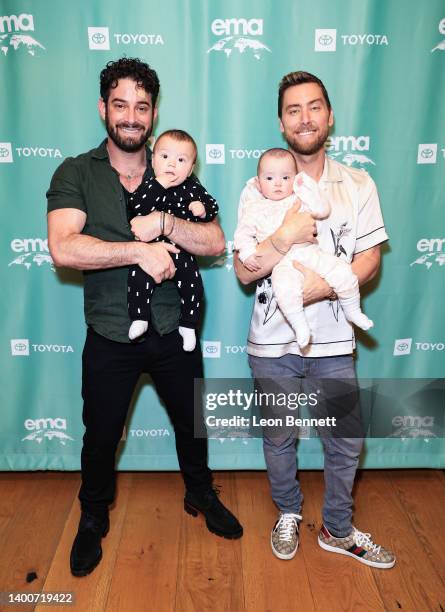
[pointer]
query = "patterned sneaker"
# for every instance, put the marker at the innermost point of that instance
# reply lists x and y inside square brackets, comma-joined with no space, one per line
[358,545]
[284,536]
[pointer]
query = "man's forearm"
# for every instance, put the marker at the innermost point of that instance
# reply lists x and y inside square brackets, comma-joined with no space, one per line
[267,257]
[366,264]
[87,253]
[196,238]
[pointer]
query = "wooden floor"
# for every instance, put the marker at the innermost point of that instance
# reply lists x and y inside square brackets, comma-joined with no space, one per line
[158,558]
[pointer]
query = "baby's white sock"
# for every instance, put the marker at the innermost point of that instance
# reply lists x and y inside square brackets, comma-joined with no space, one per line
[188,337]
[137,328]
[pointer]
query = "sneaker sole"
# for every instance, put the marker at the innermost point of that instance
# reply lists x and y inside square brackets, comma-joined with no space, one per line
[341,551]
[282,556]
[222,534]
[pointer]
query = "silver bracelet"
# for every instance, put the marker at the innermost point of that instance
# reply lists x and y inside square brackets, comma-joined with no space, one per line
[172,227]
[277,249]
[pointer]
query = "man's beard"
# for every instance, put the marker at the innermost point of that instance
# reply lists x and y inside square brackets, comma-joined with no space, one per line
[309,148]
[129,144]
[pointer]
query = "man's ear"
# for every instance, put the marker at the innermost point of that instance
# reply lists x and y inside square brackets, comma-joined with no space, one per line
[331,118]
[155,115]
[102,107]
[280,123]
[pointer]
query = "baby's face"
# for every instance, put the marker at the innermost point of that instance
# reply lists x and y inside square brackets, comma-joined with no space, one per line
[173,157]
[276,177]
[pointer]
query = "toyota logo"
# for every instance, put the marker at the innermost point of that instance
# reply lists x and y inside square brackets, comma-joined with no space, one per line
[325,40]
[4,152]
[215,153]
[211,349]
[402,346]
[427,153]
[20,347]
[98,38]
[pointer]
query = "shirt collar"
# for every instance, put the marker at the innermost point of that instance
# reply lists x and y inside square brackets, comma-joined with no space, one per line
[101,152]
[331,172]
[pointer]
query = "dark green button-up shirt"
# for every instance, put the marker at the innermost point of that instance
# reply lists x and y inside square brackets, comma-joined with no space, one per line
[89,183]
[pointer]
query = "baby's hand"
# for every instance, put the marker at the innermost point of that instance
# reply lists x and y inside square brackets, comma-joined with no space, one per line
[252,263]
[166,180]
[197,209]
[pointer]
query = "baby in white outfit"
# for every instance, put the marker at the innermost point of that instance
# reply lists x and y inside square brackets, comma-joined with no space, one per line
[280,185]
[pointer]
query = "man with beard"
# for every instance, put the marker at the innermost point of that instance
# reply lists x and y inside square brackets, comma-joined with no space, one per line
[353,231]
[88,230]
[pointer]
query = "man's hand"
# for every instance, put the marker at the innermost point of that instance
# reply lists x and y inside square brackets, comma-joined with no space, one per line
[296,228]
[146,227]
[197,209]
[315,288]
[156,261]
[167,180]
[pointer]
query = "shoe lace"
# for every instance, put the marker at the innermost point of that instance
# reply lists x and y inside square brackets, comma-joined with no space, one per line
[287,525]
[364,540]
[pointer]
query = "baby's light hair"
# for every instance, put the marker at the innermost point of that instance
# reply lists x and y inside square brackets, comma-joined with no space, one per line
[278,153]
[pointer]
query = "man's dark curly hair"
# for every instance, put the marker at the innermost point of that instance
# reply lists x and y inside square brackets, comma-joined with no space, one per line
[129,68]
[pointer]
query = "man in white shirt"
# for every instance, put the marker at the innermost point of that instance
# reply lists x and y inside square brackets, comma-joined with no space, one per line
[353,231]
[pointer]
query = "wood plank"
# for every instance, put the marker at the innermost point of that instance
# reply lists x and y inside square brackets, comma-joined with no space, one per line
[145,572]
[337,582]
[424,501]
[210,575]
[269,583]
[33,531]
[412,584]
[13,487]
[91,592]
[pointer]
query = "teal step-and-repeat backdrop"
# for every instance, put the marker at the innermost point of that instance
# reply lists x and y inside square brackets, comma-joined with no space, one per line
[219,63]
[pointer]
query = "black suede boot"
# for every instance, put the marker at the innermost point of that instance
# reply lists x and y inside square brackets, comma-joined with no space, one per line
[219,519]
[86,552]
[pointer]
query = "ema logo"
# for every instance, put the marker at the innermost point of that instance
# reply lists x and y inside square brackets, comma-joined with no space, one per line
[427,154]
[215,154]
[432,253]
[226,259]
[10,35]
[6,153]
[402,347]
[20,347]
[99,39]
[349,150]
[237,36]
[413,427]
[211,349]
[32,251]
[441,45]
[46,428]
[325,40]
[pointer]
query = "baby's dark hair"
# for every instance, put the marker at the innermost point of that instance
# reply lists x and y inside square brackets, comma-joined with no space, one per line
[129,68]
[277,152]
[179,136]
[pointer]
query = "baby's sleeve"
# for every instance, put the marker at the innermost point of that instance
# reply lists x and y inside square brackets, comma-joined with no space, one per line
[245,241]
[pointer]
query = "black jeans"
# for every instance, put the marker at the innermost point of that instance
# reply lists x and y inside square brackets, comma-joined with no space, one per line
[110,371]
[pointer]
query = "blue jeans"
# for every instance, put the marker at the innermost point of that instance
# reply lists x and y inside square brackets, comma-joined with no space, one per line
[341,454]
